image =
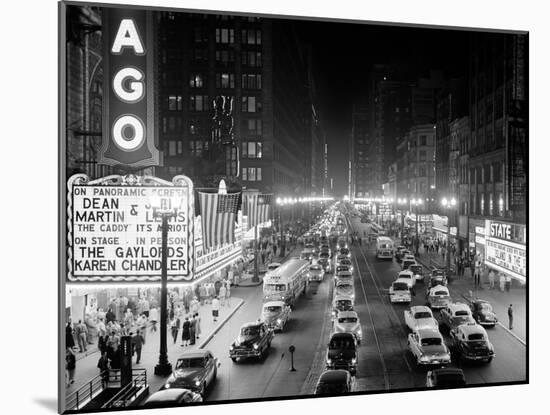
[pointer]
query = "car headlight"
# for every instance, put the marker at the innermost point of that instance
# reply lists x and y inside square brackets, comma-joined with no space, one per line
[353,361]
[424,359]
[255,346]
[232,347]
[197,383]
[359,332]
[329,361]
[279,321]
[167,386]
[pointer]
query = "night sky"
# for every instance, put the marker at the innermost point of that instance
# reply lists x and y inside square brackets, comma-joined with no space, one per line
[342,56]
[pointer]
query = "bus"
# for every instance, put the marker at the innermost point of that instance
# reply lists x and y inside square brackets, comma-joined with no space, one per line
[287,282]
[384,247]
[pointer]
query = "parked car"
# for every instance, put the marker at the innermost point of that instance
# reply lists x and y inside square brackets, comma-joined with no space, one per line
[472,343]
[346,262]
[324,261]
[345,252]
[445,377]
[400,291]
[428,347]
[254,340]
[417,271]
[436,277]
[195,370]
[348,322]
[342,276]
[406,263]
[342,352]
[456,314]
[420,317]
[171,397]
[407,276]
[334,382]
[316,272]
[340,268]
[275,314]
[483,313]
[438,297]
[399,252]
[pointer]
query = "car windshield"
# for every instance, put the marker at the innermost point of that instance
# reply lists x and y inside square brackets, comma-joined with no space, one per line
[324,255]
[431,341]
[422,314]
[460,319]
[476,337]
[332,388]
[273,309]
[408,263]
[250,331]
[486,307]
[344,251]
[440,293]
[273,266]
[416,268]
[187,363]
[275,287]
[400,286]
[343,304]
[342,268]
[340,343]
[450,380]
[315,268]
[462,313]
[347,320]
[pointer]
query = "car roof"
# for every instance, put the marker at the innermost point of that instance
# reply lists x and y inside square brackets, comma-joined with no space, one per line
[274,263]
[472,328]
[334,376]
[342,297]
[252,324]
[344,273]
[458,306]
[274,303]
[343,282]
[419,308]
[350,313]
[403,280]
[406,272]
[439,287]
[169,394]
[428,332]
[194,354]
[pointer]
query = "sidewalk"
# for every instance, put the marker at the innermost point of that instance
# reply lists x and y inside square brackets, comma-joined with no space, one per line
[86,366]
[461,287]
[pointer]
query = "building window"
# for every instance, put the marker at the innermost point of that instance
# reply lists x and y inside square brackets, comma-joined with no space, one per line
[231,161]
[252,127]
[225,36]
[251,104]
[491,204]
[252,81]
[252,59]
[252,174]
[251,149]
[500,205]
[225,80]
[172,148]
[422,155]
[200,54]
[198,146]
[175,103]
[200,35]
[422,171]
[244,173]
[196,80]
[482,203]
[252,36]
[225,56]
[198,103]
[423,140]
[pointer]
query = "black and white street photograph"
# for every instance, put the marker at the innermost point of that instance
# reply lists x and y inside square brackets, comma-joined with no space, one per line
[252,208]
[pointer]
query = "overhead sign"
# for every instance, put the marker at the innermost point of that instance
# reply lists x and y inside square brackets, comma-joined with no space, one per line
[507,231]
[114,234]
[507,257]
[129,99]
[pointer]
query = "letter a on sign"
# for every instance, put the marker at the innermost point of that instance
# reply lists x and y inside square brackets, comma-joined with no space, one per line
[127,37]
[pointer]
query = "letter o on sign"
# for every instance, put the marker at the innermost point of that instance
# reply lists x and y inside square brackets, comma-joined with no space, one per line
[120,128]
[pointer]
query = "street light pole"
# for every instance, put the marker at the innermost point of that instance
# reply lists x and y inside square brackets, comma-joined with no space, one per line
[448,205]
[163,368]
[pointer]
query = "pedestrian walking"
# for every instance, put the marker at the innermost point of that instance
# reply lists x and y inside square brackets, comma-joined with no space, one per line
[103,366]
[194,306]
[153,318]
[197,325]
[223,292]
[81,335]
[192,330]
[491,279]
[69,332]
[185,333]
[502,281]
[510,317]
[174,328]
[141,324]
[507,283]
[70,365]
[215,308]
[228,294]
[137,344]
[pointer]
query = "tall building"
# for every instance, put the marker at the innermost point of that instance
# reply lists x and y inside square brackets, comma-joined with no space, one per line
[220,114]
[359,151]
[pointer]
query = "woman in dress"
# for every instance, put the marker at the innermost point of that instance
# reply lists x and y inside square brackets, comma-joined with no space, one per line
[185,332]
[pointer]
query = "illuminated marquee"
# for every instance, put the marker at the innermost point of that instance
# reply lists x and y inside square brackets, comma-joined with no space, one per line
[128,105]
[505,248]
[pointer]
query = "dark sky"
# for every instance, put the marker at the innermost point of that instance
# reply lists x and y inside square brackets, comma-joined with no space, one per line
[342,56]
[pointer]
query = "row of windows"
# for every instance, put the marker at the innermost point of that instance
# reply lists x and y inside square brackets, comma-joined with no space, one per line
[251,149]
[227,36]
[491,173]
[487,204]
[175,147]
[203,126]
[199,103]
[225,57]
[251,174]
[227,80]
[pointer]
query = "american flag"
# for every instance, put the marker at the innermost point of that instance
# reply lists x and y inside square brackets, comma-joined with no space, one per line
[258,208]
[218,216]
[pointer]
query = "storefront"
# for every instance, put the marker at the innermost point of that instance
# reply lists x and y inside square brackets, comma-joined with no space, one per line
[505,248]
[479,241]
[439,229]
[474,228]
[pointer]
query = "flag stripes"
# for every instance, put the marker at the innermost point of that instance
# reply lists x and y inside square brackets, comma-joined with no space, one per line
[258,208]
[218,216]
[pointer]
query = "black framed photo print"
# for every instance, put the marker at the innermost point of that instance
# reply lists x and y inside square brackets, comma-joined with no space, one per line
[258,207]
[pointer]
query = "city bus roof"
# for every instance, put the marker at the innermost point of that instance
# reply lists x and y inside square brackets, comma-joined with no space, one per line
[286,271]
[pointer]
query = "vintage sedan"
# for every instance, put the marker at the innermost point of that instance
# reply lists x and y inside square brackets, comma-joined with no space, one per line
[483,313]
[342,352]
[275,314]
[400,292]
[315,272]
[456,314]
[438,297]
[341,303]
[166,398]
[340,268]
[407,276]
[436,277]
[407,263]
[254,340]
[343,276]
[348,322]
[428,347]
[445,377]
[344,252]
[195,370]
[325,262]
[334,382]
[472,343]
[344,288]
[417,271]
[420,317]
